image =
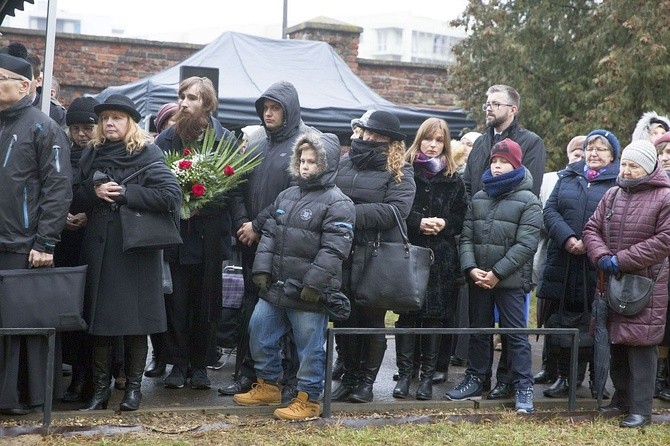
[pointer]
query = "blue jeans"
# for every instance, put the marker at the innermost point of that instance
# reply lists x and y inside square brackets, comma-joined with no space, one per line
[267,326]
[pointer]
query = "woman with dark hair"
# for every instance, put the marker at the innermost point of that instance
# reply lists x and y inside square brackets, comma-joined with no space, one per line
[375,175]
[436,219]
[124,295]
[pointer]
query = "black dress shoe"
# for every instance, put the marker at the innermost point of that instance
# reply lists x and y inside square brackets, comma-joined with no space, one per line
[439,377]
[613,408]
[635,420]
[11,411]
[559,389]
[241,385]
[155,369]
[501,391]
[544,377]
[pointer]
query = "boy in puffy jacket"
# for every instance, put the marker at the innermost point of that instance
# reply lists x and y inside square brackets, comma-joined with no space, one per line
[499,238]
[298,268]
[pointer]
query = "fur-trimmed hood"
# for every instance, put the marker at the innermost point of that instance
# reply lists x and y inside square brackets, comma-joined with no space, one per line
[642,128]
[327,148]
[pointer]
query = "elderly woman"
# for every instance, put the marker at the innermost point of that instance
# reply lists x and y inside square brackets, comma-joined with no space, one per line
[629,232]
[124,295]
[578,191]
[376,177]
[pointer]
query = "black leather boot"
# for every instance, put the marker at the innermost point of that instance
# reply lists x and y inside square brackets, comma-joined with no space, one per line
[75,390]
[430,345]
[559,389]
[404,351]
[350,354]
[661,376]
[135,358]
[376,348]
[102,375]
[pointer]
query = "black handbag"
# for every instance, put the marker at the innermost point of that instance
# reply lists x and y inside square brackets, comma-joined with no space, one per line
[394,275]
[628,294]
[43,298]
[558,343]
[147,230]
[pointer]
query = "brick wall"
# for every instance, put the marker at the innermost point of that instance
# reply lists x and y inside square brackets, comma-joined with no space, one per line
[89,64]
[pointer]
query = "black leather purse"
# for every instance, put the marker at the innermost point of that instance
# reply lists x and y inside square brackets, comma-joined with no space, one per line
[394,275]
[146,230]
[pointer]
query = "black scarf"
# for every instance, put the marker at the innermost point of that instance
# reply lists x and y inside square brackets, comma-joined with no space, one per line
[368,155]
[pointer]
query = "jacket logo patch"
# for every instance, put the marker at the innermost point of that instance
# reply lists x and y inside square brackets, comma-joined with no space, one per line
[305,214]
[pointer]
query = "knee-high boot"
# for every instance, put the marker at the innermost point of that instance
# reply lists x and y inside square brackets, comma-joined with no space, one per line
[430,345]
[375,348]
[135,359]
[102,375]
[351,360]
[404,348]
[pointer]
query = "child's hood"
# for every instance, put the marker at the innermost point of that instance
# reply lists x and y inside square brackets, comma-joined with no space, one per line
[327,148]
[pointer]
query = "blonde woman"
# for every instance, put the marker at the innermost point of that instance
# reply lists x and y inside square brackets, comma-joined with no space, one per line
[375,175]
[124,295]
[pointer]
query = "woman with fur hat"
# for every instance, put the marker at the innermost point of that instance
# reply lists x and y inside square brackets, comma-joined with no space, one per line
[629,232]
[124,295]
[650,126]
[375,175]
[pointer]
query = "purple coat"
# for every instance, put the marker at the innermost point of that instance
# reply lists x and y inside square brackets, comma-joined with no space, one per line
[640,238]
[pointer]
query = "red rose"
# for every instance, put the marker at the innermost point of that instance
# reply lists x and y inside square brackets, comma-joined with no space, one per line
[228,171]
[185,164]
[187,151]
[198,190]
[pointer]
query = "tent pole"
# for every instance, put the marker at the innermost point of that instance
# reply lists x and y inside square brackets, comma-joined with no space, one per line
[49,49]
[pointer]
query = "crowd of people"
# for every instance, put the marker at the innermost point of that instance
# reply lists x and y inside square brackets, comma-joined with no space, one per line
[498,225]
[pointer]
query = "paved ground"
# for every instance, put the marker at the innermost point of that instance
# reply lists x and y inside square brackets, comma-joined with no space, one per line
[157,398]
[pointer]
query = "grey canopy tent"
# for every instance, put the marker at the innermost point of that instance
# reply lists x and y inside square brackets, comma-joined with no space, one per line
[330,93]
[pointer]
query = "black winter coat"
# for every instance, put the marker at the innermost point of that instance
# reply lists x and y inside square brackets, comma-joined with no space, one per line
[443,197]
[309,233]
[567,210]
[35,180]
[124,291]
[534,156]
[373,191]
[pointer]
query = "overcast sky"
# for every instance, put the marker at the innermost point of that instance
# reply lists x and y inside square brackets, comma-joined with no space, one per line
[210,18]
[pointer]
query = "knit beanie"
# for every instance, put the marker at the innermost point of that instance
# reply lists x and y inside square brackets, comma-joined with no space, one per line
[164,114]
[663,138]
[81,111]
[609,136]
[509,150]
[642,153]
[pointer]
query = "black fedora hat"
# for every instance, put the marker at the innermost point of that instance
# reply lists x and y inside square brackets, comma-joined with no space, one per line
[386,124]
[119,102]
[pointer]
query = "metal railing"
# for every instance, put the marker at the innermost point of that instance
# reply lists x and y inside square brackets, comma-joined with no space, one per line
[50,334]
[330,346]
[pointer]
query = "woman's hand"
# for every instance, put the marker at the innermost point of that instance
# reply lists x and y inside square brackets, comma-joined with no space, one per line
[108,191]
[432,225]
[575,246]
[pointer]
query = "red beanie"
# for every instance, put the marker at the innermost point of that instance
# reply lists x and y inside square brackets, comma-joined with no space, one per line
[509,150]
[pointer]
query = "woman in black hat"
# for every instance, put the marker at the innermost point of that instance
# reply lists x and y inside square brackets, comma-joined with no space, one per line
[375,175]
[124,295]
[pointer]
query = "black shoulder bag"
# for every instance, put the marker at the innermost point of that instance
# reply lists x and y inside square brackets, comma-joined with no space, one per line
[146,230]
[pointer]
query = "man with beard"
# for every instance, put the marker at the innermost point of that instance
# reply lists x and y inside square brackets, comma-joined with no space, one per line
[279,111]
[194,307]
[501,108]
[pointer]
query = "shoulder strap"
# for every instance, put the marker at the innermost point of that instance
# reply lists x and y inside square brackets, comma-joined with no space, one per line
[139,171]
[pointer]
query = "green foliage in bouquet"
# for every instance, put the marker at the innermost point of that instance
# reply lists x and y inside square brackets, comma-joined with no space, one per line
[207,172]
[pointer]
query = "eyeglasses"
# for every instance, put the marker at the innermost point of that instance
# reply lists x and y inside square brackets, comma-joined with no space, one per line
[494,106]
[7,78]
[596,149]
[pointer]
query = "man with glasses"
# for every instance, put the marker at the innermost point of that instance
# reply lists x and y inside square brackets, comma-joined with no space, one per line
[35,181]
[501,109]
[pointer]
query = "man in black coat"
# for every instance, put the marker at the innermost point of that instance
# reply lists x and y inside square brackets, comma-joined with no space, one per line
[36,183]
[501,108]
